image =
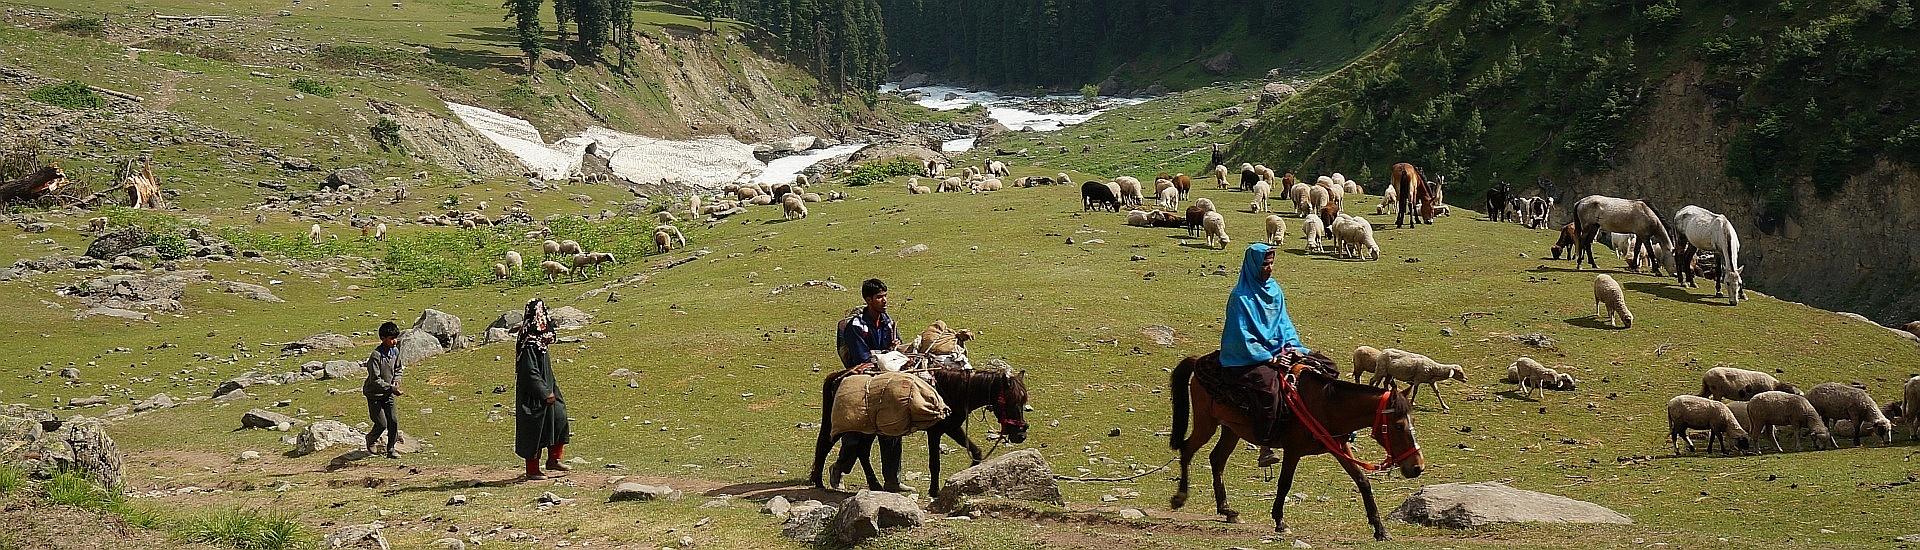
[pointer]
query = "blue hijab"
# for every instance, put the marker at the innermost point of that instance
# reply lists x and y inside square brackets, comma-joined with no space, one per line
[1257,326]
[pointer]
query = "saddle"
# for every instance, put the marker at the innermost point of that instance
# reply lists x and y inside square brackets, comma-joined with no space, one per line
[1256,391]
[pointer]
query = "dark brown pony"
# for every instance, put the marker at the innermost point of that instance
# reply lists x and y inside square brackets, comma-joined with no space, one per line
[1339,406]
[1003,392]
[1412,190]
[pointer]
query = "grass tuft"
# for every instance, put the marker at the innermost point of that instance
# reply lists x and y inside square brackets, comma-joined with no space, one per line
[11,479]
[70,94]
[245,530]
[80,26]
[74,489]
[312,87]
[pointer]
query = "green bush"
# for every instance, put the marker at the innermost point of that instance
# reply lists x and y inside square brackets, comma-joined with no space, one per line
[386,132]
[245,530]
[69,94]
[80,26]
[876,172]
[74,489]
[11,479]
[166,233]
[313,87]
[1090,92]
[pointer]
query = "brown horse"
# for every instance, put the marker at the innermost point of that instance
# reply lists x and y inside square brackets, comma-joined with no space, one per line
[1412,190]
[1002,391]
[1336,406]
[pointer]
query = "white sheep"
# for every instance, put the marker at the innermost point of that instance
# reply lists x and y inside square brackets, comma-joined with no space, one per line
[1220,175]
[665,216]
[1355,237]
[1129,190]
[1216,227]
[581,262]
[1768,410]
[1317,199]
[761,200]
[1910,406]
[662,242]
[1170,198]
[793,206]
[570,247]
[1835,401]
[500,271]
[313,233]
[514,259]
[1276,229]
[997,168]
[1302,203]
[1736,384]
[672,232]
[1261,191]
[1609,299]
[1688,412]
[1389,200]
[1138,218]
[1530,375]
[1265,173]
[550,248]
[553,269]
[812,197]
[1366,359]
[951,185]
[1062,179]
[1312,228]
[1205,204]
[986,186]
[746,193]
[1397,365]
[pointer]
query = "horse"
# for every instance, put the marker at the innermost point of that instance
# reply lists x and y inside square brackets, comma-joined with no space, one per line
[1323,408]
[1595,213]
[1410,189]
[1003,391]
[1710,232]
[1497,201]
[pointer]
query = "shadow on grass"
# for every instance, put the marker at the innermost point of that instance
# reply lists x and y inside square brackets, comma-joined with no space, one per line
[457,484]
[1674,292]
[1589,321]
[1202,245]
[795,490]
[476,60]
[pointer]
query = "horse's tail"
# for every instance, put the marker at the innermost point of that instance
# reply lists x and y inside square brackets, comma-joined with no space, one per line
[1178,386]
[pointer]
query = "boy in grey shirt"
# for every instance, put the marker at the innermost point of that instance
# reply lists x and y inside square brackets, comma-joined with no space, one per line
[382,385]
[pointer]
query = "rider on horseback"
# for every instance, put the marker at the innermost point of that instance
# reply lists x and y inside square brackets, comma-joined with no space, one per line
[1258,339]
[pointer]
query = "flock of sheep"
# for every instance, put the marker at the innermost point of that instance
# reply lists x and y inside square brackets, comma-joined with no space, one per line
[1759,405]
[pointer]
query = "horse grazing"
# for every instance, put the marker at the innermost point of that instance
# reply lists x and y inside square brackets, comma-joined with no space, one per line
[1595,213]
[1002,391]
[1411,190]
[1323,408]
[1710,232]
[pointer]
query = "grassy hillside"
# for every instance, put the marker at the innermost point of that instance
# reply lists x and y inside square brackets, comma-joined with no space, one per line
[727,373]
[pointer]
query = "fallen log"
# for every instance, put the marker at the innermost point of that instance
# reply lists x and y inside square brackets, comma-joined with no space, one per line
[121,95]
[33,185]
[589,108]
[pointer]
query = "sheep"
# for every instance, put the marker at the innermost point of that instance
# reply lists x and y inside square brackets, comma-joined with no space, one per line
[1910,407]
[761,200]
[591,260]
[514,259]
[1366,359]
[951,185]
[1265,173]
[997,168]
[1138,218]
[553,269]
[794,206]
[1128,190]
[380,232]
[1389,200]
[665,216]
[1312,230]
[1184,184]
[1336,193]
[549,248]
[1220,175]
[1197,214]
[1095,195]
[1351,187]
[746,193]
[1608,294]
[986,186]
[97,224]
[1835,401]
[1216,228]
[1302,204]
[1161,183]
[662,242]
[1170,197]
[913,188]
[313,233]
[570,247]
[1248,176]
[1740,384]
[1276,229]
[1166,219]
[1531,375]
[1318,198]
[1777,408]
[1260,192]
[1357,234]
[1688,412]
[500,271]
[730,188]
[693,207]
[1415,369]
[672,232]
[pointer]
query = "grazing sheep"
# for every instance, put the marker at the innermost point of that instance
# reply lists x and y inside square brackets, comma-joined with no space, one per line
[1302,203]
[730,188]
[1351,187]
[1366,359]
[1531,375]
[97,224]
[1265,173]
[811,197]
[1835,401]
[1220,175]
[1095,195]
[1335,191]
[1170,198]
[1318,198]
[665,216]
[997,168]
[1276,229]
[570,247]
[1184,184]
[1740,384]
[1312,229]
[1260,192]
[1777,408]
[1608,294]
[693,207]
[380,232]
[914,187]
[553,269]
[550,248]
[934,167]
[662,242]
[1216,228]
[1910,406]
[951,185]
[1356,234]
[1197,214]
[1397,365]
[1248,176]
[591,260]
[794,206]
[514,259]
[1687,412]
[1389,200]
[673,232]
[313,233]
[1128,189]
[1161,183]
[500,271]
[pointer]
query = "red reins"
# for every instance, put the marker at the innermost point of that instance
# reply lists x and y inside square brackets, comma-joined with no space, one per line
[1340,449]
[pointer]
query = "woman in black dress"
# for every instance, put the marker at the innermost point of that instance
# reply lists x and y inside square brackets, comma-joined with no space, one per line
[540,412]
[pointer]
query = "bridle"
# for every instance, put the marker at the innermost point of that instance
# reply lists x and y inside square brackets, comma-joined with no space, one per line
[999,406]
[1339,448]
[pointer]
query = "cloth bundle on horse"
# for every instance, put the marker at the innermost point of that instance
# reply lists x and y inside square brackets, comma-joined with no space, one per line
[889,403]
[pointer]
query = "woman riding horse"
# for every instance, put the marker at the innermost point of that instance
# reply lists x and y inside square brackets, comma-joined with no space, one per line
[1258,336]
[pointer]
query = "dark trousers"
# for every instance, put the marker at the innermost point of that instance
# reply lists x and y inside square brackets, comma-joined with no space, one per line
[381,409]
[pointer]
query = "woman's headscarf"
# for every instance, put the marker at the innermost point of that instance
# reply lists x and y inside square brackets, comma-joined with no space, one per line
[536,328]
[1257,326]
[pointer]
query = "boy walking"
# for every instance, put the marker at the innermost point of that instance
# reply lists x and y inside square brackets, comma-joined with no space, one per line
[382,385]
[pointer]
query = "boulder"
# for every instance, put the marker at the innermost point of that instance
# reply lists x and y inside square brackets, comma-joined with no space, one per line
[242,382]
[318,342]
[1912,327]
[912,250]
[1470,505]
[1157,89]
[1221,63]
[867,513]
[1021,475]
[777,507]
[914,80]
[158,401]
[356,536]
[496,334]
[354,177]
[642,493]
[156,291]
[103,311]
[35,442]
[509,320]
[342,370]
[265,419]
[559,61]
[416,346]
[118,242]
[297,164]
[70,373]
[320,435]
[444,327]
[808,522]
[251,291]
[570,317]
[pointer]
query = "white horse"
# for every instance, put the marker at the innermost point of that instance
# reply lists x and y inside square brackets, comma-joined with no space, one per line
[1596,213]
[1712,232]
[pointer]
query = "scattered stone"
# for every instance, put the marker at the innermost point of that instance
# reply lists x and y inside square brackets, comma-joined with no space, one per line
[342,370]
[70,373]
[1297,543]
[356,536]
[443,326]
[1159,334]
[257,418]
[1445,331]
[1471,505]
[349,177]
[570,317]
[457,500]
[318,342]
[241,382]
[416,346]
[449,543]
[642,493]
[246,456]
[496,334]
[777,507]
[912,250]
[808,522]
[867,513]
[1019,475]
[320,435]
[1536,340]
[158,401]
[251,291]
[91,401]
[1131,513]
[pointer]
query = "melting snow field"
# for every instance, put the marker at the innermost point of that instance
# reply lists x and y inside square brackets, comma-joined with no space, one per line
[783,169]
[1008,110]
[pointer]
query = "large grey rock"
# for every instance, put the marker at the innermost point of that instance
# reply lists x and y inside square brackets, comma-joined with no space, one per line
[777,507]
[118,242]
[242,382]
[337,369]
[642,492]
[496,335]
[914,80]
[158,401]
[365,536]
[35,442]
[867,513]
[509,320]
[157,291]
[444,327]
[250,291]
[570,317]
[416,346]
[265,419]
[808,522]
[318,436]
[356,177]
[1469,505]
[1020,475]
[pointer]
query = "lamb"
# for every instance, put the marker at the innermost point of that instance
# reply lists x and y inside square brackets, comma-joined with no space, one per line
[1170,197]
[1415,369]
[1910,407]
[553,269]
[1129,190]
[550,248]
[1531,375]
[570,247]
[1366,359]
[1740,384]
[1777,408]
[1313,228]
[313,233]
[997,168]
[1687,412]
[913,188]
[1260,192]
[672,232]
[1607,293]
[500,271]
[1216,228]
[1276,229]
[97,224]
[380,232]
[1302,204]
[1220,175]
[514,259]
[794,207]
[1389,200]
[1835,401]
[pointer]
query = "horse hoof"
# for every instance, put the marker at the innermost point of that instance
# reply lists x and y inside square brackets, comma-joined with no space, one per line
[1232,516]
[1178,501]
[1281,528]
[1381,537]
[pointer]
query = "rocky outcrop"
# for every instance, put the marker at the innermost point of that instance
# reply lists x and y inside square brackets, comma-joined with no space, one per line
[444,327]
[868,513]
[1470,505]
[158,291]
[38,443]
[1021,475]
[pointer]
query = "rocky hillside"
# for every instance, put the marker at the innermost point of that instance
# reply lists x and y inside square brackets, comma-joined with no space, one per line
[1746,108]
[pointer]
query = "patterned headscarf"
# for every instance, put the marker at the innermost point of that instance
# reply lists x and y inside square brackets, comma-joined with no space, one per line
[537,328]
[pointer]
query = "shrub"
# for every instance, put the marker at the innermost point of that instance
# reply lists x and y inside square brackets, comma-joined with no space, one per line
[166,233]
[11,479]
[876,172]
[80,26]
[313,87]
[1663,14]
[69,94]
[386,132]
[245,530]
[1090,92]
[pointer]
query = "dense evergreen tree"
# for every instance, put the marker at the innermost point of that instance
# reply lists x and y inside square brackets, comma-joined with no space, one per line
[525,15]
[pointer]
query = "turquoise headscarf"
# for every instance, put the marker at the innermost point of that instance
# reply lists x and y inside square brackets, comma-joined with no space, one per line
[1257,326]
